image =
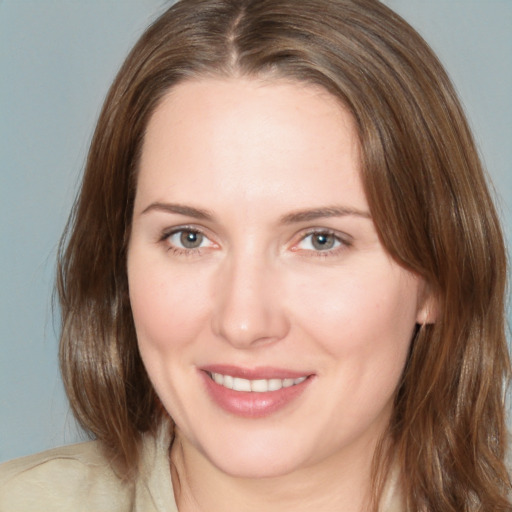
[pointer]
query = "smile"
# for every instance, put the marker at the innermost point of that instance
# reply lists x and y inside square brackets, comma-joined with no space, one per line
[256,385]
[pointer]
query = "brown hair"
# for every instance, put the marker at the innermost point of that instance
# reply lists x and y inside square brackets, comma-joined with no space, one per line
[427,195]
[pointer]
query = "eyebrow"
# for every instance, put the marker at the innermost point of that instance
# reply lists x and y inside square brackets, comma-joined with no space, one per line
[321,213]
[189,211]
[290,218]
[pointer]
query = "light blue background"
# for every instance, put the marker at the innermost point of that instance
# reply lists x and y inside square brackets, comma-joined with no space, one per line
[57,59]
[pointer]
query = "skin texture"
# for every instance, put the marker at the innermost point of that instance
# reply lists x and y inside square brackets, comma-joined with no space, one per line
[257,293]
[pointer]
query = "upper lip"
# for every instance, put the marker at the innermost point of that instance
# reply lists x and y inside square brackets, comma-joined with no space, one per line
[259,372]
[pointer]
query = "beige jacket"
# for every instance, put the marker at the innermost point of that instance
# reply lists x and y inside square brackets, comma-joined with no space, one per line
[78,478]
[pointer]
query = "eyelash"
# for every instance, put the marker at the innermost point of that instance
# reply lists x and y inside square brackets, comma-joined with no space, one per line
[182,251]
[342,241]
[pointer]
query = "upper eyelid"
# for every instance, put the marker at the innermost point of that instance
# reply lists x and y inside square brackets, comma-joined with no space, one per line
[167,232]
[342,236]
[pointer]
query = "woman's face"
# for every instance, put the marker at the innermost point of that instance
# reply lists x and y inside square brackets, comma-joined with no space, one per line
[272,323]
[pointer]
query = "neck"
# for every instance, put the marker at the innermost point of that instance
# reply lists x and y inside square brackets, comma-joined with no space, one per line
[341,483]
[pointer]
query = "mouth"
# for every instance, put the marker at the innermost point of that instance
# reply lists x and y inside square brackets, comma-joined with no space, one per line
[254,385]
[254,393]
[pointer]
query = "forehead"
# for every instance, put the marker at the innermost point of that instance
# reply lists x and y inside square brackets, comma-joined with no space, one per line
[255,138]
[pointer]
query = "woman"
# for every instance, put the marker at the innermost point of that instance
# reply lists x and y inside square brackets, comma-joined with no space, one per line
[283,281]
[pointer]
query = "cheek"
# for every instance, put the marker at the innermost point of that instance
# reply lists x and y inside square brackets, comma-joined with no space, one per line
[168,307]
[367,317]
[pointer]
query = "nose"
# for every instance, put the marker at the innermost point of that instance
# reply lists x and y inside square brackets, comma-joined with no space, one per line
[249,309]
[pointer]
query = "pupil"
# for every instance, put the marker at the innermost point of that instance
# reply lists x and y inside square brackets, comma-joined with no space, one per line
[190,239]
[323,242]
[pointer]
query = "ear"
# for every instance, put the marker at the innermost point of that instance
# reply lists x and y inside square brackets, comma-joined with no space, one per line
[428,306]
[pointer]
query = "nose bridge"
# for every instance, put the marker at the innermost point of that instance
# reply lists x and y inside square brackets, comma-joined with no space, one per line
[248,308]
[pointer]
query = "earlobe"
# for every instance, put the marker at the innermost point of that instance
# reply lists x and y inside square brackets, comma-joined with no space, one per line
[428,307]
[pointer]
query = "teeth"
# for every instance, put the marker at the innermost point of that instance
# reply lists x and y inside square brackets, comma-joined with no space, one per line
[256,386]
[259,386]
[287,383]
[241,384]
[227,381]
[275,384]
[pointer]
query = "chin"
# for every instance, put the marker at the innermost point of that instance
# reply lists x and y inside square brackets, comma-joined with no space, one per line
[270,453]
[257,468]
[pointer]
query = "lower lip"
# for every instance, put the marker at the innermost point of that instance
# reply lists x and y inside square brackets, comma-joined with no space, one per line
[251,404]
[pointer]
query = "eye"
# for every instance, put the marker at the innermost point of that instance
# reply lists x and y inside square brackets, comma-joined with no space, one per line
[187,239]
[321,241]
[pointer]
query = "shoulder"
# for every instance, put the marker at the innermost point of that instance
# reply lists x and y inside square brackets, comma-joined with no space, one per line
[76,477]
